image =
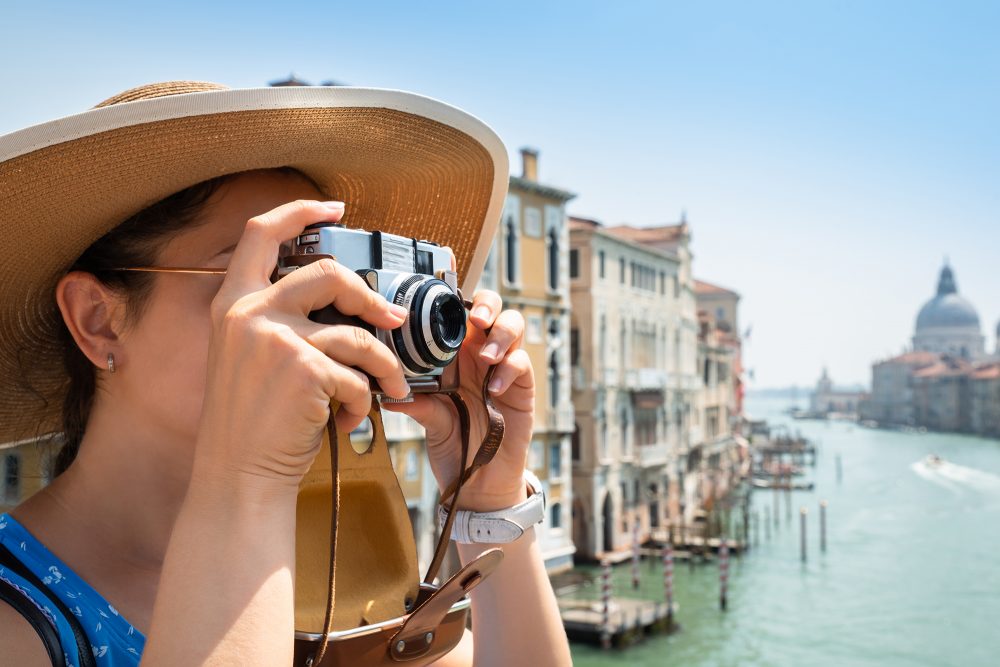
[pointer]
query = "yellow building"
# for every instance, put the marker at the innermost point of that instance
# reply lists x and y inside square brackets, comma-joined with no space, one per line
[24,469]
[529,268]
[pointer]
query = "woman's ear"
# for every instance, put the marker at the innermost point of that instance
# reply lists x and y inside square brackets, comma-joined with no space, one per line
[94,315]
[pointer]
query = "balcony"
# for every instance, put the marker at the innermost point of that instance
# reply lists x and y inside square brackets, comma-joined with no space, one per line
[653,455]
[560,419]
[645,378]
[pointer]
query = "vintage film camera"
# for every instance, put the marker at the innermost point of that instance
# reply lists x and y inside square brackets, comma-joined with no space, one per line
[414,274]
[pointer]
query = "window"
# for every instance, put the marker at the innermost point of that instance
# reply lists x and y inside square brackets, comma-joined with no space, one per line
[626,445]
[12,478]
[533,329]
[513,249]
[412,472]
[621,269]
[553,379]
[555,515]
[555,460]
[575,443]
[574,263]
[600,263]
[604,439]
[574,347]
[552,241]
[663,283]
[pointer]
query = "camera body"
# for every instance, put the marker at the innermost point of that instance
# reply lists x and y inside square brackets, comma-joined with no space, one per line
[414,274]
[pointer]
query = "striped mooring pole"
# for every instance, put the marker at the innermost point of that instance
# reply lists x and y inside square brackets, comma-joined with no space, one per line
[723,572]
[635,555]
[668,579]
[606,604]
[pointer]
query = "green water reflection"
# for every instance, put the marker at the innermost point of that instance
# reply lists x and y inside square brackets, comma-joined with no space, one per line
[910,576]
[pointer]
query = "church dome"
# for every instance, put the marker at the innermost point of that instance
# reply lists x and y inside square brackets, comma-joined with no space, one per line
[947,309]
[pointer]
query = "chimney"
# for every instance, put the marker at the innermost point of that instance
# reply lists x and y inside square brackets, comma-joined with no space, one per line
[529,164]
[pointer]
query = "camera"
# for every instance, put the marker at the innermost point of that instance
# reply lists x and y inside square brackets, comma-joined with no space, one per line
[414,274]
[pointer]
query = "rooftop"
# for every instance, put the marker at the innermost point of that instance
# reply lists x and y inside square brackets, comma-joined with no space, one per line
[702,287]
[662,234]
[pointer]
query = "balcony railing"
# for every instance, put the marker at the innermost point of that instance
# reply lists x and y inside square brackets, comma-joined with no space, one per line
[561,418]
[645,378]
[655,454]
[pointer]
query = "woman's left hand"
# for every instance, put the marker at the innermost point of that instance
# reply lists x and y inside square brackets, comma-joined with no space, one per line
[499,484]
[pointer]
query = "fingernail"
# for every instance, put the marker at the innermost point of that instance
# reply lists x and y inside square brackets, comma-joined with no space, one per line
[397,310]
[482,312]
[491,351]
[495,385]
[334,205]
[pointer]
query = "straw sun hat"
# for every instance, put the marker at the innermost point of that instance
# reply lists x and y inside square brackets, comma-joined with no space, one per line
[404,164]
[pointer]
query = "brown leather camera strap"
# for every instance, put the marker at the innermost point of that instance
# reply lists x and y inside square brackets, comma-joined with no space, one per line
[431,610]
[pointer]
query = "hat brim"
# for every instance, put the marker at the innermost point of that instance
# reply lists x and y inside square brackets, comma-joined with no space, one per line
[403,163]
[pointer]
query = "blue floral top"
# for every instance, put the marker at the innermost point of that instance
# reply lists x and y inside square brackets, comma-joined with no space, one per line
[114,641]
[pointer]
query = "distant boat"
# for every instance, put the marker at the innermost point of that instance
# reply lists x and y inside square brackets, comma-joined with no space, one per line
[933,461]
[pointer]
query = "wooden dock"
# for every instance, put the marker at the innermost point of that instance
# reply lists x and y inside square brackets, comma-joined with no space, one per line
[629,619]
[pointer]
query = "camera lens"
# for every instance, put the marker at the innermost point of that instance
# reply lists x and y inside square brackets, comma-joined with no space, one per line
[435,324]
[448,322]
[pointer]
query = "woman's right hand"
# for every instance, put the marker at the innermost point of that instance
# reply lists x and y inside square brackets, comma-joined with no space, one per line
[272,372]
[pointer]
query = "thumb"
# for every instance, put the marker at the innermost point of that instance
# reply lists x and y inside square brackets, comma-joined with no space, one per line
[431,412]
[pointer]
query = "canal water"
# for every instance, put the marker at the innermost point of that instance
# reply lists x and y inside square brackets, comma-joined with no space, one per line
[911,575]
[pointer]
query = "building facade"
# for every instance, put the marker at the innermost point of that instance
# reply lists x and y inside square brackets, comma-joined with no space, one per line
[828,401]
[984,400]
[629,430]
[685,379]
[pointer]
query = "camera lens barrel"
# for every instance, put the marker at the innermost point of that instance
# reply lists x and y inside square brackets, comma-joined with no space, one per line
[435,325]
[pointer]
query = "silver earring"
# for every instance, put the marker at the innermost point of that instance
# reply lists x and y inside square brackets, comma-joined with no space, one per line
[111,362]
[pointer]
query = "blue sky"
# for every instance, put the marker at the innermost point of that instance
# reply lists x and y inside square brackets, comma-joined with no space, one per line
[828,154]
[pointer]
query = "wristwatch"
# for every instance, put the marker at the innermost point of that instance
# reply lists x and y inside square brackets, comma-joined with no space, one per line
[499,526]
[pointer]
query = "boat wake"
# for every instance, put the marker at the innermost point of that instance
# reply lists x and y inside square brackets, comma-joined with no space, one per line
[955,477]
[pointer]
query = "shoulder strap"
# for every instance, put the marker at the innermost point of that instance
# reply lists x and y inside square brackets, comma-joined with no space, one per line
[31,613]
[11,562]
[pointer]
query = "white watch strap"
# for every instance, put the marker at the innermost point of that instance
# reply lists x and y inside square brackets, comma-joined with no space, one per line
[499,526]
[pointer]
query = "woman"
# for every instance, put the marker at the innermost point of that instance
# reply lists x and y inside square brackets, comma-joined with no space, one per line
[196,402]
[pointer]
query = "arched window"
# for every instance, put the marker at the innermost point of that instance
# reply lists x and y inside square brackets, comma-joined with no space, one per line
[626,445]
[553,379]
[513,249]
[555,515]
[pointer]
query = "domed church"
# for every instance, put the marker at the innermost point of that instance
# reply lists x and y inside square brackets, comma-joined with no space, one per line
[948,324]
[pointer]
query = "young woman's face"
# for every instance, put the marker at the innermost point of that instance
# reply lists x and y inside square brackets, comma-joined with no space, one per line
[166,350]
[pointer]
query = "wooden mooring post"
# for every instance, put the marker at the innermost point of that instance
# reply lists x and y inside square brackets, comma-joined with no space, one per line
[668,580]
[635,555]
[822,526]
[802,530]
